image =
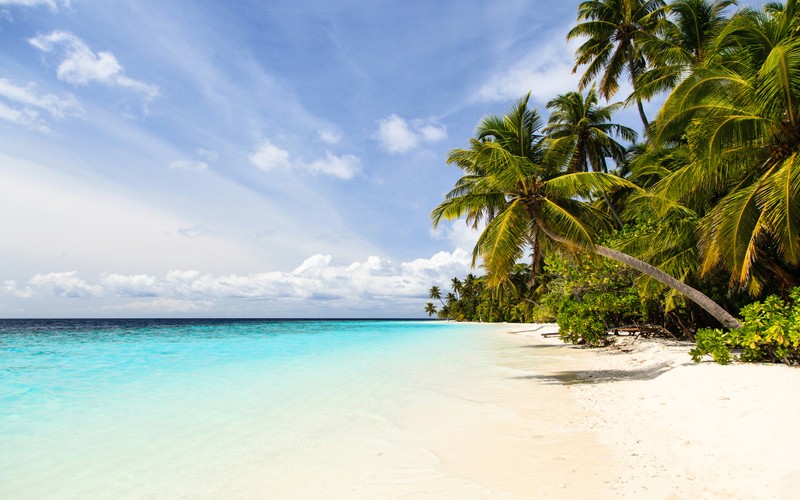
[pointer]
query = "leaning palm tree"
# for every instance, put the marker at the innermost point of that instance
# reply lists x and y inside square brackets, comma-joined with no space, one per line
[615,31]
[536,204]
[744,138]
[435,293]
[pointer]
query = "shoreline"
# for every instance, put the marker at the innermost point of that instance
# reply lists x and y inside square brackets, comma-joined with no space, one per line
[679,429]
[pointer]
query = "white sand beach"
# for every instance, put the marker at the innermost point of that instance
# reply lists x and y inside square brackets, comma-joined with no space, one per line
[650,423]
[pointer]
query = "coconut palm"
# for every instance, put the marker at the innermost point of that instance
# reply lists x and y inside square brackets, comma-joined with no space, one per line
[541,203]
[686,36]
[744,138]
[435,293]
[430,309]
[584,129]
[581,130]
[456,286]
[615,31]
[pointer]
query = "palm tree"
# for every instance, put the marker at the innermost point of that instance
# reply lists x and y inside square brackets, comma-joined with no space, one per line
[541,203]
[744,140]
[686,38]
[615,31]
[581,130]
[435,293]
[430,309]
[456,286]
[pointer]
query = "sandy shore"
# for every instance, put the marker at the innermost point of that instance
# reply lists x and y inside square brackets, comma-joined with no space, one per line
[653,424]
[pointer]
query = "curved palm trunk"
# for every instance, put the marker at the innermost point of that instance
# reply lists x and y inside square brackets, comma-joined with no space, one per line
[696,296]
[692,294]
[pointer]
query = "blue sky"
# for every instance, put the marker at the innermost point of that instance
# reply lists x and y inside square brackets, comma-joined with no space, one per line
[249,158]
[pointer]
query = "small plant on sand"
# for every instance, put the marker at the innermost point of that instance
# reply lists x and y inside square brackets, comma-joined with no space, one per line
[771,333]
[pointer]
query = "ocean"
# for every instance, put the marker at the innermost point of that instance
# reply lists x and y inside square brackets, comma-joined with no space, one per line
[234,408]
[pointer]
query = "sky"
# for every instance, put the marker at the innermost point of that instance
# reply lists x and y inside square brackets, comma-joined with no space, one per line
[250,158]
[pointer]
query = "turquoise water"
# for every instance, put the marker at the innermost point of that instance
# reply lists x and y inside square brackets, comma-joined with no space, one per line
[153,409]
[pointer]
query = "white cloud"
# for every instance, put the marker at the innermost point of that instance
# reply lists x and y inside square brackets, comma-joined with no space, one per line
[430,133]
[81,66]
[188,165]
[23,105]
[544,73]
[10,288]
[330,136]
[317,278]
[53,4]
[269,157]
[458,233]
[161,306]
[26,117]
[139,285]
[343,167]
[64,284]
[313,262]
[396,135]
[205,156]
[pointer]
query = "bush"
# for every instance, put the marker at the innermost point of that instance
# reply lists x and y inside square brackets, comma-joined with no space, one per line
[591,296]
[578,324]
[770,332]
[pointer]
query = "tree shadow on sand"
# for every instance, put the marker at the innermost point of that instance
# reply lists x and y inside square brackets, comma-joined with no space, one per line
[546,346]
[573,377]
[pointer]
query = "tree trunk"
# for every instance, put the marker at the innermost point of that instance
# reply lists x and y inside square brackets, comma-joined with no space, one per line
[695,296]
[634,74]
[608,200]
[613,211]
[642,115]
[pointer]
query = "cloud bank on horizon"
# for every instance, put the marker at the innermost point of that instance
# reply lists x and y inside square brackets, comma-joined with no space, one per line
[249,158]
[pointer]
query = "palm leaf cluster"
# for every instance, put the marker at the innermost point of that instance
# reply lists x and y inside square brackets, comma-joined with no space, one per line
[527,199]
[714,189]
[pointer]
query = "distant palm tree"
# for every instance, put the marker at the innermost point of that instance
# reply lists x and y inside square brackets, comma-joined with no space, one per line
[541,203]
[430,309]
[435,293]
[615,32]
[456,286]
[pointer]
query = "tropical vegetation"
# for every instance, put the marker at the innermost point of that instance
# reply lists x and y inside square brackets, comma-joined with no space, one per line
[700,218]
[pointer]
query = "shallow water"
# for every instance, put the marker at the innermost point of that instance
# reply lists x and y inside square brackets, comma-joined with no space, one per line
[146,409]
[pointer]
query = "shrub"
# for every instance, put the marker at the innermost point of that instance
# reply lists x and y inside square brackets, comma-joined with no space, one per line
[770,332]
[591,296]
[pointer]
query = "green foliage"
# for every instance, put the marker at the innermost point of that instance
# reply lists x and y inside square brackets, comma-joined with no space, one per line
[771,332]
[711,199]
[579,323]
[593,295]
